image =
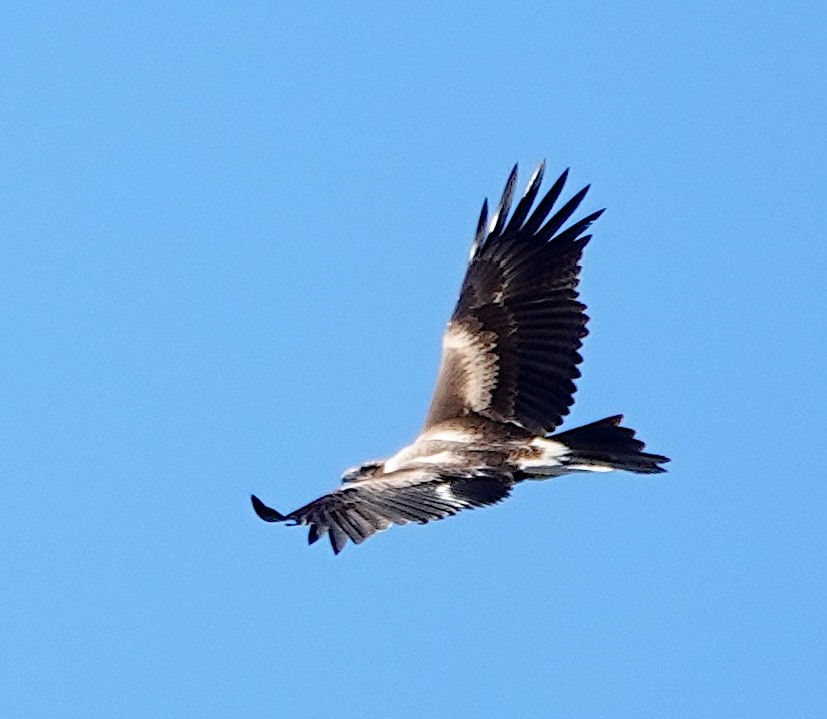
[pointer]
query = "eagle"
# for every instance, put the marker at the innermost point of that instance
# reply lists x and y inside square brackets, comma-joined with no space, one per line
[506,381]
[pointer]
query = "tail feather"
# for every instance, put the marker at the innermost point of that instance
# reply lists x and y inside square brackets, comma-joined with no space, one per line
[605,444]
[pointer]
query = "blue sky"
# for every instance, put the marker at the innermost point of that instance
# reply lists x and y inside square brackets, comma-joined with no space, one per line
[231,237]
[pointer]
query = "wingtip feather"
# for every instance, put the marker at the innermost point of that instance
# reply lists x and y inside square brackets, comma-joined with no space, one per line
[268,514]
[480,234]
[338,539]
[504,206]
[536,179]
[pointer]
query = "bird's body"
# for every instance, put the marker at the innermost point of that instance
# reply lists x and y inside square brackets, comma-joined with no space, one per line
[506,380]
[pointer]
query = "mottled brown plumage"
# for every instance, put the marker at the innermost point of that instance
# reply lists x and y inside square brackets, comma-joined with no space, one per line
[506,380]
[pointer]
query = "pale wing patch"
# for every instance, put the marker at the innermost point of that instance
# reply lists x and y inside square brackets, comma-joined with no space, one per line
[392,464]
[446,434]
[419,453]
[473,352]
[434,446]
[444,457]
[443,491]
[589,468]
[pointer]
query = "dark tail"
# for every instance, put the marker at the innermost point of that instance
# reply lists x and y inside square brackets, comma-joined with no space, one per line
[607,444]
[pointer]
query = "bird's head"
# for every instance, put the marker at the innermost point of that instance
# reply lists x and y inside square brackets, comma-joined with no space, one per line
[366,470]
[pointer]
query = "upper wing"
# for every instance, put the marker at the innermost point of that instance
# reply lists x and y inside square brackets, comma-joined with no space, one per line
[358,510]
[510,350]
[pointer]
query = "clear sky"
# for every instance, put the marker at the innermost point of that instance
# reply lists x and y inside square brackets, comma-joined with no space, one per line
[230,237]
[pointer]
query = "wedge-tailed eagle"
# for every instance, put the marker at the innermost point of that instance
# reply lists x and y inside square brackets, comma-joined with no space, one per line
[506,380]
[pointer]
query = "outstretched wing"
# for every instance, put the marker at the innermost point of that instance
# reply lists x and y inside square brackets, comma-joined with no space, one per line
[357,510]
[510,352]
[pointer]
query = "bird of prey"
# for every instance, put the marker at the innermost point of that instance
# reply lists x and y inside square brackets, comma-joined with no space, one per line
[506,380]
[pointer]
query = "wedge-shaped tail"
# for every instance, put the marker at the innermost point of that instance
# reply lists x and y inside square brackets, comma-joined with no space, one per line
[607,445]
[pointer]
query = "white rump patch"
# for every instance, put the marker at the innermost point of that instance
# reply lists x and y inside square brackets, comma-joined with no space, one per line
[551,449]
[548,463]
[551,463]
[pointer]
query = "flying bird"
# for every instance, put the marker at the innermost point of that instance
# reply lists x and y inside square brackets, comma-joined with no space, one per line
[506,380]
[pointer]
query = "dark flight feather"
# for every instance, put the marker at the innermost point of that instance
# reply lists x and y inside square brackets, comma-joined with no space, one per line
[519,300]
[360,509]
